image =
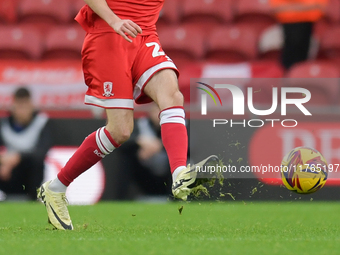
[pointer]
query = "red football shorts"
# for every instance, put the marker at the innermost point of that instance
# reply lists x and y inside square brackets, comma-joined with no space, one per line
[116,71]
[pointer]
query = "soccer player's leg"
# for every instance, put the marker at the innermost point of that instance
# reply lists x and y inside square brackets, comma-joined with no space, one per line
[163,89]
[155,79]
[106,89]
[95,147]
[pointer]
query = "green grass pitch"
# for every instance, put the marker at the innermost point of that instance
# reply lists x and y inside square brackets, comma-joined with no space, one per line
[203,228]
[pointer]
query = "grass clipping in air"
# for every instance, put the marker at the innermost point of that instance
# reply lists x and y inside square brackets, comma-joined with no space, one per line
[205,183]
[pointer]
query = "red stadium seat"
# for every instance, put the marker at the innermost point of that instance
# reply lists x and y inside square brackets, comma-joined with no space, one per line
[267,69]
[193,70]
[314,69]
[255,12]
[8,11]
[232,44]
[207,13]
[330,44]
[332,13]
[19,43]
[320,28]
[44,13]
[76,5]
[169,13]
[331,18]
[319,77]
[182,44]
[64,43]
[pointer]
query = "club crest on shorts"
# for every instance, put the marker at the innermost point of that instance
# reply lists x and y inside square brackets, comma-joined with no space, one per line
[108,89]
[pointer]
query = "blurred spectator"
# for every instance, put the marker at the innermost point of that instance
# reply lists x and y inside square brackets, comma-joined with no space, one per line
[25,139]
[297,18]
[144,158]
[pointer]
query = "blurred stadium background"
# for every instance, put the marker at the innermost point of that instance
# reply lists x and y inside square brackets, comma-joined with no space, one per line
[40,47]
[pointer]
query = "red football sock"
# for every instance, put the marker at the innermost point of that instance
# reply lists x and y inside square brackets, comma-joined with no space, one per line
[95,147]
[174,136]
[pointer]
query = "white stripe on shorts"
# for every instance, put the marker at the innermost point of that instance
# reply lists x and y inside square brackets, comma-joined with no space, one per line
[147,74]
[109,103]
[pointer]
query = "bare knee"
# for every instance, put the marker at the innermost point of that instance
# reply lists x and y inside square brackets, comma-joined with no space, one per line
[174,98]
[119,134]
[170,100]
[124,135]
[163,89]
[178,98]
[119,124]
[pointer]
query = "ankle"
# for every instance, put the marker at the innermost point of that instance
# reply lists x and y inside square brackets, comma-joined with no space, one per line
[57,186]
[176,172]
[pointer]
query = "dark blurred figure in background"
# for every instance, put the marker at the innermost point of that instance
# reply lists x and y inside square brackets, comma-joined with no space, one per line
[145,160]
[297,18]
[25,139]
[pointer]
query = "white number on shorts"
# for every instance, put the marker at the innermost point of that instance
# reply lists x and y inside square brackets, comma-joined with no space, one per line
[155,52]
